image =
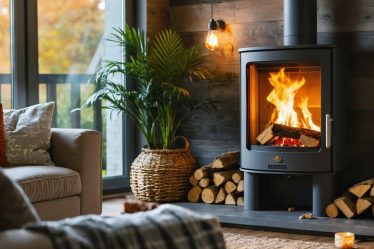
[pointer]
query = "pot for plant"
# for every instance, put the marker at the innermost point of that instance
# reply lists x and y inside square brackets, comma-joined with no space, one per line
[162,174]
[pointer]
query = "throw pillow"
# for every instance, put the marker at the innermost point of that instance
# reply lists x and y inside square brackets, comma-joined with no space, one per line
[28,134]
[3,159]
[15,208]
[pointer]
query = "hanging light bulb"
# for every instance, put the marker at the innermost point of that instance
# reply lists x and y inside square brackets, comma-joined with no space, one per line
[211,41]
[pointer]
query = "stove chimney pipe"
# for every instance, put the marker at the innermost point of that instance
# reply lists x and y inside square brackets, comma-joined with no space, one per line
[300,22]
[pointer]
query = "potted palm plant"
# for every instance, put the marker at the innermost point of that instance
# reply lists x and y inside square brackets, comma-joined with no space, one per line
[157,104]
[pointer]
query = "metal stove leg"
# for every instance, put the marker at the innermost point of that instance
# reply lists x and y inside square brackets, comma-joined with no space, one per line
[251,201]
[323,193]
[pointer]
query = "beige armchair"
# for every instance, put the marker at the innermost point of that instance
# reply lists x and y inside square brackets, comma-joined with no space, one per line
[72,187]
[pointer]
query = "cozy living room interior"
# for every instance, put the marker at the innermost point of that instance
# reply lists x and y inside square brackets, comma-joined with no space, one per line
[186,124]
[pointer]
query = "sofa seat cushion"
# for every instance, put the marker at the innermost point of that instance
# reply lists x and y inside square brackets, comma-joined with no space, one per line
[42,183]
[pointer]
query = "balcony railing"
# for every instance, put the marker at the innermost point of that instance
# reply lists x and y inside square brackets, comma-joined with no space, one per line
[75,81]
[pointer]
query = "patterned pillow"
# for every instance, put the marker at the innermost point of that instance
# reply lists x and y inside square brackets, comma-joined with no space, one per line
[28,134]
[3,160]
[15,208]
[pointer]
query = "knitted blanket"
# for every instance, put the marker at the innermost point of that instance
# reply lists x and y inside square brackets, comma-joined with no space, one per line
[167,226]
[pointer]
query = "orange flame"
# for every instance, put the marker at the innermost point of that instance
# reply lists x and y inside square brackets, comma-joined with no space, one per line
[283,98]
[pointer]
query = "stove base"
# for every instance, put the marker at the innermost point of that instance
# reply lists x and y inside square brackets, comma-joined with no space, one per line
[323,192]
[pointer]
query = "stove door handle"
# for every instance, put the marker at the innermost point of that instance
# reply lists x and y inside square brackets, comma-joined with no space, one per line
[329,121]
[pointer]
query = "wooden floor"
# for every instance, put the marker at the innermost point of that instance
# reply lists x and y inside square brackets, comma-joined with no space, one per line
[114,206]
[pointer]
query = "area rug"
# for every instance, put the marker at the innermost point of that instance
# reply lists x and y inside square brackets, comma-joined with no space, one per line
[239,241]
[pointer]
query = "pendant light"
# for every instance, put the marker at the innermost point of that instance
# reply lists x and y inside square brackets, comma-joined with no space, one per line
[214,27]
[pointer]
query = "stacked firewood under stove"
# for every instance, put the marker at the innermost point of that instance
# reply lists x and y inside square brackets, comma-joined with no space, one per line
[283,135]
[220,182]
[357,201]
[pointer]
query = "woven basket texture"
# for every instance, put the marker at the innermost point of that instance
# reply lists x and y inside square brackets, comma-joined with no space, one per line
[162,175]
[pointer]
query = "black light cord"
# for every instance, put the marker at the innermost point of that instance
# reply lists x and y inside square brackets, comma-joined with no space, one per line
[211,9]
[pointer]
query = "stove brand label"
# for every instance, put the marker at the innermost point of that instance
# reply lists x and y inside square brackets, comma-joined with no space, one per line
[277,166]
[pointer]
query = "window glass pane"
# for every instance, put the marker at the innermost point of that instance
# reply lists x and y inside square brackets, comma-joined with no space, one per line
[72,44]
[5,64]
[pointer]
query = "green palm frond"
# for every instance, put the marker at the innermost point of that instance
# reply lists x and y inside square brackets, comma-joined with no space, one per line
[158,103]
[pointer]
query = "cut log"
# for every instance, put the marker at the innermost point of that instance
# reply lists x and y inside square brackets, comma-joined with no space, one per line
[203,172]
[309,141]
[363,204]
[194,194]
[240,187]
[221,196]
[240,201]
[346,204]
[230,187]
[285,131]
[332,210]
[221,177]
[231,198]
[266,135]
[359,189]
[237,176]
[204,182]
[193,181]
[370,182]
[209,194]
[228,160]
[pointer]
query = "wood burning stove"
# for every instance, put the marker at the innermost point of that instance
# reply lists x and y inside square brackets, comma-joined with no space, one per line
[292,112]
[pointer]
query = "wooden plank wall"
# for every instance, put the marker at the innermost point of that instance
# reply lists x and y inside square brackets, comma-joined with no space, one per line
[157,16]
[349,23]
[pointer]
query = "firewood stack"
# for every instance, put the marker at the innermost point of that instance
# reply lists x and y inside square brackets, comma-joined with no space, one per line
[219,182]
[358,200]
[282,135]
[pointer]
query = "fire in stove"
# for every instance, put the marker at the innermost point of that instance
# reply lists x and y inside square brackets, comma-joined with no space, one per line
[289,126]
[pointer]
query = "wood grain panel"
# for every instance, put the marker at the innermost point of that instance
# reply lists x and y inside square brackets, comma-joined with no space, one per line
[348,23]
[194,18]
[157,16]
[345,16]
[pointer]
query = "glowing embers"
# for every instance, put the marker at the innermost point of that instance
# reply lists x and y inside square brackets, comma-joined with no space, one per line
[291,122]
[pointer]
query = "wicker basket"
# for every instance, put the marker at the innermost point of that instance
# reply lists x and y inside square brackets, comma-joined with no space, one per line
[162,175]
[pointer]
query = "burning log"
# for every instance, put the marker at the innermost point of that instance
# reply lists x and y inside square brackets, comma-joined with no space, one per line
[309,141]
[275,130]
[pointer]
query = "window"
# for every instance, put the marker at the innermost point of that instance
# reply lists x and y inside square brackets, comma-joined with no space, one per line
[66,43]
[72,45]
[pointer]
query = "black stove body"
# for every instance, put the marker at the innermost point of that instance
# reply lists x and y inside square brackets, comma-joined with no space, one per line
[315,76]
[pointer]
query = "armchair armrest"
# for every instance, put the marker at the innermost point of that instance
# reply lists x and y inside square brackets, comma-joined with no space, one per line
[81,151]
